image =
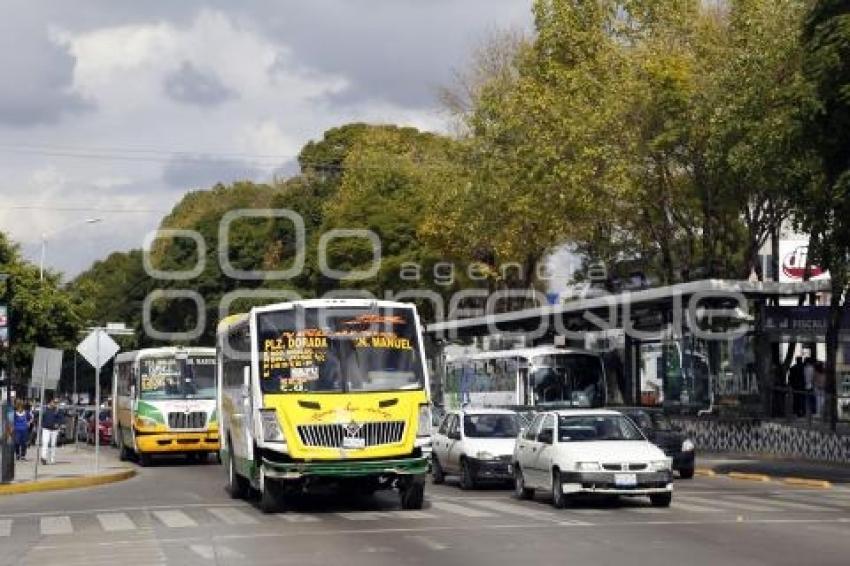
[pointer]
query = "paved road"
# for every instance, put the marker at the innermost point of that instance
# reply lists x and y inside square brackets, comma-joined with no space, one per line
[176,513]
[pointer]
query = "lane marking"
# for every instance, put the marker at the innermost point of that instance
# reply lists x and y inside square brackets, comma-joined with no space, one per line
[693,508]
[376,515]
[410,514]
[232,516]
[459,509]
[209,552]
[361,516]
[175,519]
[5,527]
[56,525]
[113,522]
[786,504]
[117,509]
[646,510]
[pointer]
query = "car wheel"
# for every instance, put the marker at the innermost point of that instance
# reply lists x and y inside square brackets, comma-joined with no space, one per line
[144,460]
[686,473]
[237,486]
[661,499]
[413,494]
[520,490]
[559,501]
[437,474]
[467,478]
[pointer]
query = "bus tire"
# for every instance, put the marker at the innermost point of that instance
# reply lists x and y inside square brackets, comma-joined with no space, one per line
[438,476]
[144,459]
[237,486]
[271,496]
[413,494]
[123,451]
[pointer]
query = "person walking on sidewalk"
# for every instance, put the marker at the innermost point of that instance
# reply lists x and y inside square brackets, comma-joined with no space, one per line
[820,388]
[23,419]
[809,380]
[49,433]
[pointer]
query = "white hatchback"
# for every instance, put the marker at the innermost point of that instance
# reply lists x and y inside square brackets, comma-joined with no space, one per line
[476,444]
[597,451]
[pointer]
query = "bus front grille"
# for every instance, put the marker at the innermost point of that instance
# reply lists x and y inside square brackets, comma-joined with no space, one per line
[195,419]
[332,435]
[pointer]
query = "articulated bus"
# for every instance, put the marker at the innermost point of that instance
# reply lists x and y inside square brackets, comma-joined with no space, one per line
[542,375]
[330,391]
[164,402]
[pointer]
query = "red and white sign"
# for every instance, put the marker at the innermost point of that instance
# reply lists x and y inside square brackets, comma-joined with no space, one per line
[793,255]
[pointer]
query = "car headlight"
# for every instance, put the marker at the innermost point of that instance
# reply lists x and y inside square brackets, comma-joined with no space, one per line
[484,456]
[143,421]
[661,465]
[271,425]
[424,427]
[588,466]
[687,446]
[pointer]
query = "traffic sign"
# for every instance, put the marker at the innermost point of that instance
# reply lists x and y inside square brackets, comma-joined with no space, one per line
[98,348]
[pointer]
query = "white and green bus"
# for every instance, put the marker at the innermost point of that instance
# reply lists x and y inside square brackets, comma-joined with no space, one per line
[164,402]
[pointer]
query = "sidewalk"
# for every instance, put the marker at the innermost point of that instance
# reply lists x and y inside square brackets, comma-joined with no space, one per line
[776,467]
[74,467]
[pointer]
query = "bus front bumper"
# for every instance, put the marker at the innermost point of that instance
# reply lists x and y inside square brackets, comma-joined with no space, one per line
[178,442]
[345,468]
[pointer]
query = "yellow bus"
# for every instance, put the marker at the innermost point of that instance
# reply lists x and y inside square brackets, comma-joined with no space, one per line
[164,402]
[324,391]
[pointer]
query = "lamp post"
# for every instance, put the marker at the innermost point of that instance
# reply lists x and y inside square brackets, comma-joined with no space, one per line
[45,235]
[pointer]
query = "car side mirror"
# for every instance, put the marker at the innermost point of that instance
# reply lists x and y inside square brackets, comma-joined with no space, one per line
[545,436]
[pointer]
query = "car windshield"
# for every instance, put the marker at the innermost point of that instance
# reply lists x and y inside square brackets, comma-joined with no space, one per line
[172,378]
[581,428]
[329,350]
[490,426]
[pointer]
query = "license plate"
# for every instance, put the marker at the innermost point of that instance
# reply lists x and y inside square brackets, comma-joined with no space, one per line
[351,443]
[625,480]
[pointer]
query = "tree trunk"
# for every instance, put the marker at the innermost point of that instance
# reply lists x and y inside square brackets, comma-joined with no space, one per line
[836,310]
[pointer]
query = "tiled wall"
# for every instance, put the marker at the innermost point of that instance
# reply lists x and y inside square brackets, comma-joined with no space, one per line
[762,437]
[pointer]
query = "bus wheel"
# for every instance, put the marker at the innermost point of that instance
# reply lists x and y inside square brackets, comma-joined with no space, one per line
[237,486]
[271,495]
[413,493]
[144,460]
[123,451]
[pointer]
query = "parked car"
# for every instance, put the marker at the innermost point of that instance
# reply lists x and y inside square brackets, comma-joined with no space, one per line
[660,431]
[104,428]
[585,451]
[476,444]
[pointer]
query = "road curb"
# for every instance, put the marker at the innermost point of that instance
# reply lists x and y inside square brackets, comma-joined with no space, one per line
[56,484]
[807,482]
[749,477]
[705,472]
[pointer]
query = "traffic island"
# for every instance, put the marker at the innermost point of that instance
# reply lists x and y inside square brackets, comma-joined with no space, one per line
[74,468]
[797,473]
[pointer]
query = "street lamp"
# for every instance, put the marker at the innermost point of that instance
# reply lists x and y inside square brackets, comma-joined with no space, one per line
[45,235]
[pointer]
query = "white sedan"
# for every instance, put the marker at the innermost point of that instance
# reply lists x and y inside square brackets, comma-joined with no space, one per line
[598,451]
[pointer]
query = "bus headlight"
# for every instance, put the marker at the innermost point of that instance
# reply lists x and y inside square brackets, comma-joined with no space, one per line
[143,421]
[424,421]
[271,425]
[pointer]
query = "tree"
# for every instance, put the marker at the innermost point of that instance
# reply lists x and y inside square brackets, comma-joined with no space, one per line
[823,205]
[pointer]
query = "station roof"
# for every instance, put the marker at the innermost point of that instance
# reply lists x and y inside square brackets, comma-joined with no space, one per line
[655,297]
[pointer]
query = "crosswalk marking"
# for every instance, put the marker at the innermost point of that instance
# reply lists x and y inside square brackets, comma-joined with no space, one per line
[112,522]
[647,510]
[782,503]
[175,519]
[5,527]
[375,515]
[459,509]
[56,525]
[512,509]
[361,516]
[233,516]
[733,505]
[299,518]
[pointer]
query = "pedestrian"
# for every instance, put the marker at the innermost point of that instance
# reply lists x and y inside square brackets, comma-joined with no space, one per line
[819,383]
[809,381]
[49,433]
[23,420]
[798,386]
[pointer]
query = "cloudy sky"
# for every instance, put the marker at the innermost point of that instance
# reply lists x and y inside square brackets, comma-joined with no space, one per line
[114,109]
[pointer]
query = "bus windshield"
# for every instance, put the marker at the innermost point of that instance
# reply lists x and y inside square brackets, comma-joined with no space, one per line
[172,378]
[572,379]
[327,350]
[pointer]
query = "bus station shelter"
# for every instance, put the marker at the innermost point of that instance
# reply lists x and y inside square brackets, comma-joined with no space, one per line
[702,347]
